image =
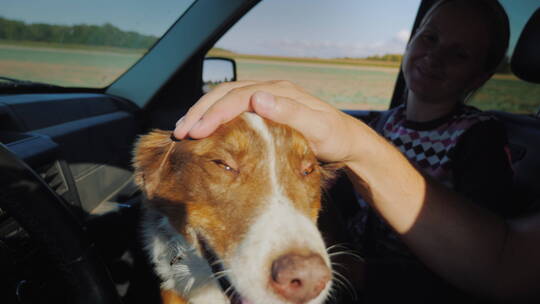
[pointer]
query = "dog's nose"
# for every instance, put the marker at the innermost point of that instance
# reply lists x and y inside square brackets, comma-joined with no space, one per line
[299,278]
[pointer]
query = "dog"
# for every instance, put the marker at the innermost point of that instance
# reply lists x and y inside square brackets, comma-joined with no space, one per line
[232,218]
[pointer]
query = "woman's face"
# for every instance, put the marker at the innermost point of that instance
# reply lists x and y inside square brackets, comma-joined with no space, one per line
[446,57]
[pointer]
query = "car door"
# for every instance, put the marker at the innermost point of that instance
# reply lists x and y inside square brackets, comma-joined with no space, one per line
[74,133]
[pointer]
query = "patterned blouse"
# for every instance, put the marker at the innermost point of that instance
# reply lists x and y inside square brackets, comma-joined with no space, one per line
[465,150]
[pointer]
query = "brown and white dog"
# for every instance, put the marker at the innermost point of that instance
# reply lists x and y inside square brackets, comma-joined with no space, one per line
[247,199]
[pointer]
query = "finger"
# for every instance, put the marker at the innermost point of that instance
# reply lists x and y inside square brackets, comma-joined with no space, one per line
[231,105]
[283,110]
[217,115]
[308,121]
[194,114]
[207,100]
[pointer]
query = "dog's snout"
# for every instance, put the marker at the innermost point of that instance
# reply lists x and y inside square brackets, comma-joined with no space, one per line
[299,278]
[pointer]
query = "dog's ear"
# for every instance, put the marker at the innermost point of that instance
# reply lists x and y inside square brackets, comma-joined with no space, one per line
[149,156]
[330,172]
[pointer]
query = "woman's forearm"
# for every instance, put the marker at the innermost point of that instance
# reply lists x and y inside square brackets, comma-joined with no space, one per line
[452,236]
[385,177]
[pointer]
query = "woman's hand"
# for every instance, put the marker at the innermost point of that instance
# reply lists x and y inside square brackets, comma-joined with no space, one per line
[327,129]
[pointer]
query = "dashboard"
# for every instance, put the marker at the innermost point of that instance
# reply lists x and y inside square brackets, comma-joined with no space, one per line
[80,146]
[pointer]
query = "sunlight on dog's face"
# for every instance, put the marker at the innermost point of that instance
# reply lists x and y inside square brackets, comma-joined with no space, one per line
[252,190]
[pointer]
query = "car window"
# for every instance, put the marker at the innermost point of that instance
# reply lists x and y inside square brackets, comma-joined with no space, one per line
[79,43]
[504,91]
[347,52]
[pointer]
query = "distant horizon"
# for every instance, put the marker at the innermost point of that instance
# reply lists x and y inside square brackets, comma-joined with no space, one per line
[76,24]
[289,56]
[156,37]
[300,28]
[24,43]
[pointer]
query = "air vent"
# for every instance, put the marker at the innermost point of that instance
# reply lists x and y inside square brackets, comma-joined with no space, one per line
[53,176]
[3,215]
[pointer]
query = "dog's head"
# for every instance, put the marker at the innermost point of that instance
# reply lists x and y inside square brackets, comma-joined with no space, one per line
[252,192]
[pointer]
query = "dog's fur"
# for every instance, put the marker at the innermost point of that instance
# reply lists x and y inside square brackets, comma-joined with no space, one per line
[251,192]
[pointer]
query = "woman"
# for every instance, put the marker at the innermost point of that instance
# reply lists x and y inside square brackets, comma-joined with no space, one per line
[458,145]
[445,62]
[468,246]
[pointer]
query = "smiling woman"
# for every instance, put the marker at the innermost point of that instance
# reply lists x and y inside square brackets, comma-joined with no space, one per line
[61,46]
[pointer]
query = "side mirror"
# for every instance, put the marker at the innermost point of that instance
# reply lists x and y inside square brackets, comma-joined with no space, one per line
[217,70]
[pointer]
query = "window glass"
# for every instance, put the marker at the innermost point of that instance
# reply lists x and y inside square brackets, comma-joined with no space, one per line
[504,91]
[346,52]
[79,43]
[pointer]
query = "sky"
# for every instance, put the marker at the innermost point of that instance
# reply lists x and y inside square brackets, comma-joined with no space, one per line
[308,28]
[323,28]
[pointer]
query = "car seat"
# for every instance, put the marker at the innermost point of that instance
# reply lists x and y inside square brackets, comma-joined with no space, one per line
[524,130]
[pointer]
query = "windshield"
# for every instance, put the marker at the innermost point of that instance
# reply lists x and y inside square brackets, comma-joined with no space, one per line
[80,43]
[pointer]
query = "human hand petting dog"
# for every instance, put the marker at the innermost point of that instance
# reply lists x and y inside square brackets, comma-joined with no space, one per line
[326,128]
[422,211]
[333,135]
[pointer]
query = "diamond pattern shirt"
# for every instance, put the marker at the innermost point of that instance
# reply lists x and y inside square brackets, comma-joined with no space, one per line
[431,149]
[463,150]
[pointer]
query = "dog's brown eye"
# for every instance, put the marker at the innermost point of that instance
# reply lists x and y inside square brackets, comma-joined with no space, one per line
[308,170]
[224,165]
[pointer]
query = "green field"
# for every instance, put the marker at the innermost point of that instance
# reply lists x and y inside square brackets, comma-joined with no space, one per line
[508,94]
[65,67]
[347,83]
[353,87]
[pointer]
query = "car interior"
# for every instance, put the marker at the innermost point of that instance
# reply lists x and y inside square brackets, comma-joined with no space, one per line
[69,209]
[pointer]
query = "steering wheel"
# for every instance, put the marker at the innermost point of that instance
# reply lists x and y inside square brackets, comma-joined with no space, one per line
[55,230]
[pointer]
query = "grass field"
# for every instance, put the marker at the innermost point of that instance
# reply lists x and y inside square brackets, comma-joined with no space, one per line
[65,67]
[352,87]
[508,94]
[347,83]
[370,87]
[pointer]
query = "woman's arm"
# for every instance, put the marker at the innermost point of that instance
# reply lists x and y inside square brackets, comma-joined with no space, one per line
[469,246]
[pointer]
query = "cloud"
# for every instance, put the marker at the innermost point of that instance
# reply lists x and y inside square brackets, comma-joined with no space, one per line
[403,35]
[324,48]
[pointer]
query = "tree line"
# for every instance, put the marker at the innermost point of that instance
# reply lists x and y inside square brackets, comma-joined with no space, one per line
[503,68]
[386,57]
[97,35]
